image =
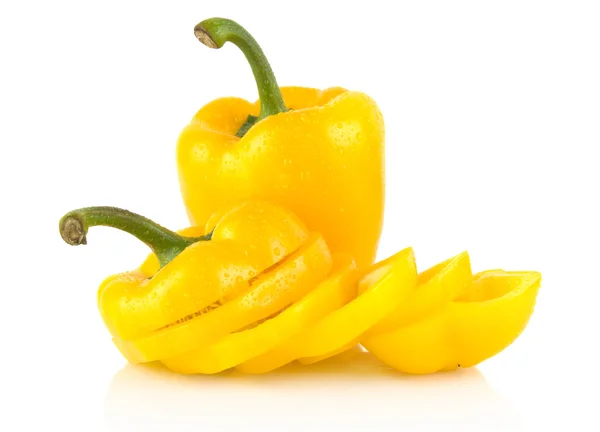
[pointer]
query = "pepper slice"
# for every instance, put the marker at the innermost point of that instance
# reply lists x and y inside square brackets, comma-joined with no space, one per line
[436,287]
[381,292]
[480,323]
[378,299]
[235,348]
[270,292]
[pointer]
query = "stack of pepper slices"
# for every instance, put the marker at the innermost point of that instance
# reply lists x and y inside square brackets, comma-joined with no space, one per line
[285,197]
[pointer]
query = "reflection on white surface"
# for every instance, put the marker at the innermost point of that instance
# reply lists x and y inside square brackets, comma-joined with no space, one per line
[350,390]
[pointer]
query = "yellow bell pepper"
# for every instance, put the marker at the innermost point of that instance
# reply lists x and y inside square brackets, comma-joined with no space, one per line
[257,259]
[318,153]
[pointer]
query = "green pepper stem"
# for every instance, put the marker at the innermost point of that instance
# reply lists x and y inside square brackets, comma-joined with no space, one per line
[214,32]
[164,243]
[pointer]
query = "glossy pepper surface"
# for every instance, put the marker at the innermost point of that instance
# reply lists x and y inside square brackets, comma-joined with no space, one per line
[319,153]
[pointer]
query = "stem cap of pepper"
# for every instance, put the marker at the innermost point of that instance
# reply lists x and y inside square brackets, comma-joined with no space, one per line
[73,230]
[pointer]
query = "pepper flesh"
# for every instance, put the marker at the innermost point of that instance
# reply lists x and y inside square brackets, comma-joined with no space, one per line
[321,156]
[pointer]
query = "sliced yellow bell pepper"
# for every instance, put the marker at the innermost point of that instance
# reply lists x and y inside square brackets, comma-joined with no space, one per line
[235,266]
[269,293]
[258,291]
[235,348]
[383,291]
[435,288]
[476,325]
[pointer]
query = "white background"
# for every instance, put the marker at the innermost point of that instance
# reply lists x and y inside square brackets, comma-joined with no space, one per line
[492,114]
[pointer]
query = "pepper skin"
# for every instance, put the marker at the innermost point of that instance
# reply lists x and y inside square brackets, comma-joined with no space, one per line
[318,153]
[207,286]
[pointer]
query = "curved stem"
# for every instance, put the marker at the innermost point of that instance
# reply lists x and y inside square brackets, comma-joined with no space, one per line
[164,243]
[214,32]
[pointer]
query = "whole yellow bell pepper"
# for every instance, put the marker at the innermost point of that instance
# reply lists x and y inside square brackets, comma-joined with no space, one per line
[256,259]
[318,153]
